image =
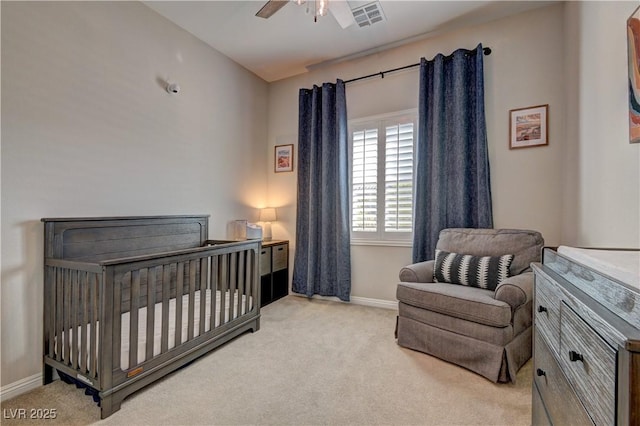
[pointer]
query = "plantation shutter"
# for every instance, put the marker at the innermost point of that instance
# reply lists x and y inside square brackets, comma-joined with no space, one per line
[398,195]
[365,180]
[382,163]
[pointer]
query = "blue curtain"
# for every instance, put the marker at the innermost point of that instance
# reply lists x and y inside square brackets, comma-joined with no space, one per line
[453,188]
[322,263]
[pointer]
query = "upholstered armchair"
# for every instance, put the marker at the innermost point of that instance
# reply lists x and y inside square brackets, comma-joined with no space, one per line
[472,305]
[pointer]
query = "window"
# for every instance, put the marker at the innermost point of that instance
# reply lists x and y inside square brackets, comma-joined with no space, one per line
[382,163]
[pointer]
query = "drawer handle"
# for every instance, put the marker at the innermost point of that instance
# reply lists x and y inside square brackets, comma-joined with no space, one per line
[575,356]
[264,252]
[540,372]
[542,309]
[281,248]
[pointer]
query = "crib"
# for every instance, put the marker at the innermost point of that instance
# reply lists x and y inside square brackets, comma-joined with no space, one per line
[128,300]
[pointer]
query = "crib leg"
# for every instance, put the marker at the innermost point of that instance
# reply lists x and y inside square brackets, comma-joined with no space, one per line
[47,376]
[256,325]
[109,405]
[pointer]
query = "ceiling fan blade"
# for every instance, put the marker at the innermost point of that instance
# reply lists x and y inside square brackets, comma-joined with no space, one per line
[271,7]
[341,10]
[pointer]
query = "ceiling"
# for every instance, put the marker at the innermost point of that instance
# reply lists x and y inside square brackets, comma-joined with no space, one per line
[291,43]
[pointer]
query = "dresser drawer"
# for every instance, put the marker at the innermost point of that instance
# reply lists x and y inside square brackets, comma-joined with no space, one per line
[280,257]
[265,261]
[547,310]
[560,401]
[590,365]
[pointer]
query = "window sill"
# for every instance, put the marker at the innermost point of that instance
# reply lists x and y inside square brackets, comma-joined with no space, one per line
[388,243]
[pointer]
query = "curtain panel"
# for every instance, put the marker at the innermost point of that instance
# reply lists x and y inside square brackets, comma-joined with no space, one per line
[453,188]
[322,262]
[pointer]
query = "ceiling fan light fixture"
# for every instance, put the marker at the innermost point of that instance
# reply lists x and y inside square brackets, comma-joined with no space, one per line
[322,7]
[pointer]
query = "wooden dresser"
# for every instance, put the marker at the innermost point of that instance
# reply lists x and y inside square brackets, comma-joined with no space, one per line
[586,346]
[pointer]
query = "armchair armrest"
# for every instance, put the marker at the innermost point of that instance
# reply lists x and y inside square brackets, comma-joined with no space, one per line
[516,290]
[421,272]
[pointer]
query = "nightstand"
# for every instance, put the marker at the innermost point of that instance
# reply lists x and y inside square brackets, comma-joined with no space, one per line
[274,270]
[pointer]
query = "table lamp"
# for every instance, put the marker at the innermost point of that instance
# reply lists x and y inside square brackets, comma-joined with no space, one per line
[267,215]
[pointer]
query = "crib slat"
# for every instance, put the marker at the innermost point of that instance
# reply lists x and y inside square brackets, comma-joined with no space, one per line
[233,283]
[62,312]
[58,314]
[249,279]
[179,292]
[75,312]
[134,303]
[55,300]
[241,276]
[73,331]
[84,296]
[166,281]
[151,311]
[67,318]
[119,282]
[50,311]
[94,296]
[204,266]
[224,285]
[213,286]
[249,274]
[192,295]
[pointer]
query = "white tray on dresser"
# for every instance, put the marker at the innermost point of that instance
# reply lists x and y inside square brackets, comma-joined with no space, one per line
[587,337]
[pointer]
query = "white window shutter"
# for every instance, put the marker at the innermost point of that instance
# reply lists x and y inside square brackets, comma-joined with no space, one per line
[365,180]
[398,196]
[382,163]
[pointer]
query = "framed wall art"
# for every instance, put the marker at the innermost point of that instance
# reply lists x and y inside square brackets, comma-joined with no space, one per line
[283,158]
[633,48]
[529,127]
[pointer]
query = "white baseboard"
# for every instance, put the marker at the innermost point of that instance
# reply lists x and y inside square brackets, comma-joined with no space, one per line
[376,303]
[356,300]
[21,386]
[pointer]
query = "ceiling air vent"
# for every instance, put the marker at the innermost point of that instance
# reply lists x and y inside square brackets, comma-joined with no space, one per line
[368,14]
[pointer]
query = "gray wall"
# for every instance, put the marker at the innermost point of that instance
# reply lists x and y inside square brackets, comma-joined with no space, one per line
[88,130]
[602,170]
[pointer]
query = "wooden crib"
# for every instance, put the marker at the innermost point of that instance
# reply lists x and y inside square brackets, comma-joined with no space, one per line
[127,300]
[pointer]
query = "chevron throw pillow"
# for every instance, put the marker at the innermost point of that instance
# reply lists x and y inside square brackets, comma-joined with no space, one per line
[474,271]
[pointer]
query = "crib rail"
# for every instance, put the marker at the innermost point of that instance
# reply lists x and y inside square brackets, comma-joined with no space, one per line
[225,276]
[72,314]
[186,298]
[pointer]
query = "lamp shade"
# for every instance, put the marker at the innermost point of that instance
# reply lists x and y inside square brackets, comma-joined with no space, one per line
[268,214]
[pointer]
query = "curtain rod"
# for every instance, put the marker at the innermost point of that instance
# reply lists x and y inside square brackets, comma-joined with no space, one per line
[485,50]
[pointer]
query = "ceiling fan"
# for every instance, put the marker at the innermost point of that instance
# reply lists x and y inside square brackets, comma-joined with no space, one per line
[339,9]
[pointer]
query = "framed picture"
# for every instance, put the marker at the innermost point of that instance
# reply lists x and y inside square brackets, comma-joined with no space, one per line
[633,48]
[529,127]
[283,158]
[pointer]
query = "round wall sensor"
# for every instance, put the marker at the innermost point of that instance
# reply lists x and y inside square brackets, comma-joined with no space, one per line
[173,88]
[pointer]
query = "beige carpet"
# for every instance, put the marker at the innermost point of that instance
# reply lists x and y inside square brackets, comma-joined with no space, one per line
[312,362]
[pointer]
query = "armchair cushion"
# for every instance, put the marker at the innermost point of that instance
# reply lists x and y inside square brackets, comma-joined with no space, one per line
[524,245]
[472,304]
[475,271]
